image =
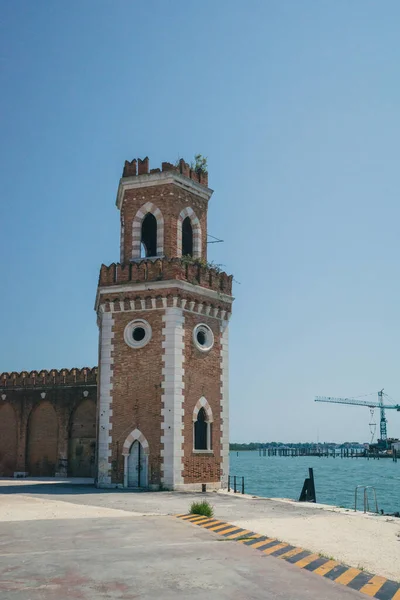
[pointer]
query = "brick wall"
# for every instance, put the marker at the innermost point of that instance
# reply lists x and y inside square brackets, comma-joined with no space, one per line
[8,440]
[136,380]
[171,200]
[43,407]
[202,379]
[42,441]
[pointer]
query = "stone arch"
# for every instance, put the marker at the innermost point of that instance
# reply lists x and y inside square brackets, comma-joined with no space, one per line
[82,440]
[136,460]
[149,207]
[189,212]
[42,441]
[203,403]
[134,436]
[8,440]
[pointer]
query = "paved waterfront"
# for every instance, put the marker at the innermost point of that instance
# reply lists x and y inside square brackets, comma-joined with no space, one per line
[369,542]
[74,542]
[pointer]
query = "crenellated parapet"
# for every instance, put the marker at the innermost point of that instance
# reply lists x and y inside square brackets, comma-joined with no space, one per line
[163,269]
[140,166]
[44,379]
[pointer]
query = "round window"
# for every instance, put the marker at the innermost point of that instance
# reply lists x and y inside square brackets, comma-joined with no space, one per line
[203,337]
[137,333]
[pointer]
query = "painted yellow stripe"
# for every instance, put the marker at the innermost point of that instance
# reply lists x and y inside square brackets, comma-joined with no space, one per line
[198,519]
[192,517]
[267,541]
[307,560]
[219,528]
[240,534]
[347,576]
[227,530]
[253,537]
[215,525]
[273,548]
[328,566]
[291,553]
[396,596]
[185,517]
[373,585]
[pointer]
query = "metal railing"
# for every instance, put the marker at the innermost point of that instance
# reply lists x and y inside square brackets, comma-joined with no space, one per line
[234,478]
[366,499]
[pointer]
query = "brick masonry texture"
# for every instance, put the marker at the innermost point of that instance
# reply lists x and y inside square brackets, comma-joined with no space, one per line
[170,200]
[137,379]
[202,379]
[39,418]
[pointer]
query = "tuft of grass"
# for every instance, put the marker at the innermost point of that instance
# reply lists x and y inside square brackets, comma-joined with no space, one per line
[203,508]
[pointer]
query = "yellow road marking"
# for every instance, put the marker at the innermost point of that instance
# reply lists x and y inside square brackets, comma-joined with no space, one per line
[240,534]
[215,525]
[328,566]
[221,525]
[198,519]
[291,553]
[253,537]
[273,548]
[228,530]
[347,576]
[373,585]
[396,596]
[307,560]
[198,522]
[267,541]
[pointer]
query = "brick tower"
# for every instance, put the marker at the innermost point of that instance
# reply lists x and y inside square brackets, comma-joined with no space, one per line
[163,338]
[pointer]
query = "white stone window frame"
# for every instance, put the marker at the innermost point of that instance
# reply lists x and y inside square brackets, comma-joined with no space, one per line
[208,332]
[149,207]
[128,333]
[196,227]
[203,403]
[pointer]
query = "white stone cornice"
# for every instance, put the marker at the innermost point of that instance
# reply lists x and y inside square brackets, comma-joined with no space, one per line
[153,179]
[162,285]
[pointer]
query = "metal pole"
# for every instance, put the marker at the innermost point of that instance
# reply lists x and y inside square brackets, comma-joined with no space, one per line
[242,485]
[234,484]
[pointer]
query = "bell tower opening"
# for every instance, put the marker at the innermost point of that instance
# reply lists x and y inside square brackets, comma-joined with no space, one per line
[149,236]
[187,237]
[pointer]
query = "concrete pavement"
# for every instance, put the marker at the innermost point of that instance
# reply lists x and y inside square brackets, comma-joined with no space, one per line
[71,543]
[362,541]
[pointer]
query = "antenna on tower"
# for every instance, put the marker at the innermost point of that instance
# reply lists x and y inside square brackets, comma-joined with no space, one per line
[214,240]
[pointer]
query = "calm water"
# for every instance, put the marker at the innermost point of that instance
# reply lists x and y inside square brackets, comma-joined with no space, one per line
[335,478]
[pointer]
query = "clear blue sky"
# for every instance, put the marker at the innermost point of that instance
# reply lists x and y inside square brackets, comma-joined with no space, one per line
[296,105]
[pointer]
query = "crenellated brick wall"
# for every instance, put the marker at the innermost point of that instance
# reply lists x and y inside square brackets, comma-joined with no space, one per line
[47,422]
[44,378]
[139,166]
[165,270]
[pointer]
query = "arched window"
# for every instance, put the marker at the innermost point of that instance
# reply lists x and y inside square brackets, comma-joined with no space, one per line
[202,432]
[187,238]
[149,235]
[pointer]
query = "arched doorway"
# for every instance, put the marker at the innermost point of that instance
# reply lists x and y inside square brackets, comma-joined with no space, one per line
[8,441]
[42,441]
[82,440]
[137,466]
